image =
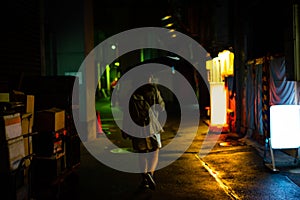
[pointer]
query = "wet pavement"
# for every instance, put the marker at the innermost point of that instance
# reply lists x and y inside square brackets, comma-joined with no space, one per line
[233,169]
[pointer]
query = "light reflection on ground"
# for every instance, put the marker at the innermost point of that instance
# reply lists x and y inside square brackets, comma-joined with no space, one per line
[121,150]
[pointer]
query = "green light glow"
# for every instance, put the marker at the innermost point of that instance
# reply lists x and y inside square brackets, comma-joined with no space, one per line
[142,55]
[108,77]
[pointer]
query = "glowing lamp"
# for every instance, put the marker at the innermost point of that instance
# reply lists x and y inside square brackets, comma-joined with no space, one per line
[216,70]
[285,126]
[209,64]
[169,25]
[218,103]
[166,17]
[226,62]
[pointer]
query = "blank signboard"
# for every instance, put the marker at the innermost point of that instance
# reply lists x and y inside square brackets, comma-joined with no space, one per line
[285,126]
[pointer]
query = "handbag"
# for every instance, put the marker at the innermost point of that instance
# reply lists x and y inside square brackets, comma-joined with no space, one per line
[141,144]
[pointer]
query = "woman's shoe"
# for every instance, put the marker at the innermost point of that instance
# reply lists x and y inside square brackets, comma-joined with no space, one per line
[144,184]
[150,181]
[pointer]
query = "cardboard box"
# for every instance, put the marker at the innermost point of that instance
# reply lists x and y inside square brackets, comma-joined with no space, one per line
[22,98]
[48,143]
[29,103]
[11,142]
[4,97]
[27,123]
[30,107]
[28,146]
[48,169]
[50,120]
[11,126]
[11,153]
[16,152]
[26,130]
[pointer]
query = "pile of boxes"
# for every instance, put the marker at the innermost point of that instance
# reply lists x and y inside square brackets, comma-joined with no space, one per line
[37,130]
[49,145]
[13,148]
[16,122]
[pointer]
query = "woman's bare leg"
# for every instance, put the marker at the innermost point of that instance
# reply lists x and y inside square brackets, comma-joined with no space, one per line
[153,161]
[143,162]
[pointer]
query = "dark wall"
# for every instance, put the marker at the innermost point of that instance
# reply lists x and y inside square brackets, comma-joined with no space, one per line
[20,50]
[265,27]
[64,36]
[268,27]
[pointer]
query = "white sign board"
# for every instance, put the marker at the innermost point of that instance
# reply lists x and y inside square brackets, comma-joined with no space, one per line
[285,126]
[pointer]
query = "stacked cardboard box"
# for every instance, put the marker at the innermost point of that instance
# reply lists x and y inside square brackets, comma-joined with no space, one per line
[12,142]
[27,123]
[50,127]
[52,119]
[16,122]
[48,146]
[4,97]
[22,103]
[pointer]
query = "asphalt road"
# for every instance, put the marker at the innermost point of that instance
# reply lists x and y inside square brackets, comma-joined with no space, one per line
[207,169]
